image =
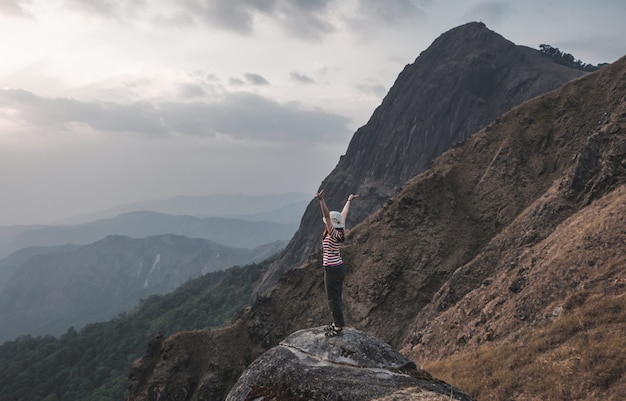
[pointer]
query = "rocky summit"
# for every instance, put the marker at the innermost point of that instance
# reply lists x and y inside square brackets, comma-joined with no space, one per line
[307,365]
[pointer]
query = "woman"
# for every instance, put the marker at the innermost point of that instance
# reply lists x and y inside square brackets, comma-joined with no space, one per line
[334,271]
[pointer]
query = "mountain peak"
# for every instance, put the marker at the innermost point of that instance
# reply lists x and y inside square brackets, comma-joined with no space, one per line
[469,37]
[468,77]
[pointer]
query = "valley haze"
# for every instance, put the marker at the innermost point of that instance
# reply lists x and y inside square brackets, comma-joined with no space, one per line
[237,221]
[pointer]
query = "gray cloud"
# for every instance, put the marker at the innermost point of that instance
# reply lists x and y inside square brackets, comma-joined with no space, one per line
[306,19]
[390,12]
[372,16]
[236,81]
[239,115]
[492,12]
[303,79]
[302,18]
[235,16]
[187,91]
[54,113]
[376,89]
[15,7]
[116,9]
[256,79]
[249,116]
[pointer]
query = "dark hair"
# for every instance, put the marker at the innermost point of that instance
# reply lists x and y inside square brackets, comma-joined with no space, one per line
[342,234]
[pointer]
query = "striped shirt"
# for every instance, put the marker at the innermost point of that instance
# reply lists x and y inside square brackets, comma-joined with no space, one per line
[330,248]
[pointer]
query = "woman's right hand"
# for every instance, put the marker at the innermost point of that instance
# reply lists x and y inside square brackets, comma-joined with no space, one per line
[320,194]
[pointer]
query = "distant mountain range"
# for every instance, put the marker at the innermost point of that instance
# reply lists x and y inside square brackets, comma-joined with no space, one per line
[235,220]
[50,290]
[245,207]
[57,276]
[231,232]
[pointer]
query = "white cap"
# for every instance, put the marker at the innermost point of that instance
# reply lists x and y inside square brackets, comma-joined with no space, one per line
[336,219]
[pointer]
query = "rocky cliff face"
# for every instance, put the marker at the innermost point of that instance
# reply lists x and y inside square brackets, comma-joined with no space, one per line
[469,76]
[500,269]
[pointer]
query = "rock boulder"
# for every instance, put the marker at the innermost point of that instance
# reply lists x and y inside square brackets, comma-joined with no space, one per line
[307,365]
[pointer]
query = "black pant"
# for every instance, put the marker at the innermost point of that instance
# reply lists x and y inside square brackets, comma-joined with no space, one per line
[333,281]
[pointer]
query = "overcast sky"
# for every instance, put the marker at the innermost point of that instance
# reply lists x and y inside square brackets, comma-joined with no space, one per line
[104,102]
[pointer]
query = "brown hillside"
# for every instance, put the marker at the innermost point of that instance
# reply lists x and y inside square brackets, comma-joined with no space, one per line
[500,269]
[556,318]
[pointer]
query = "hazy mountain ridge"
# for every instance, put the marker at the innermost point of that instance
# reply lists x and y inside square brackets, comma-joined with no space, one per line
[233,206]
[52,291]
[10,264]
[226,231]
[242,239]
[468,77]
[285,215]
[518,231]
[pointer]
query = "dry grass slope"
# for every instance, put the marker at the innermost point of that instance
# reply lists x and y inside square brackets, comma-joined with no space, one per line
[578,350]
[580,358]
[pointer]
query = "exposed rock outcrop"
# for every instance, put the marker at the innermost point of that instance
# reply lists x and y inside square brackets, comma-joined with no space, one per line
[351,367]
[468,77]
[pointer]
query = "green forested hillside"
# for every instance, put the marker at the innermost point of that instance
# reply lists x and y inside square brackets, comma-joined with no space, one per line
[92,364]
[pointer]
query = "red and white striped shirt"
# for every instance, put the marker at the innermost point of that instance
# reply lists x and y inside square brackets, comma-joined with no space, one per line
[331,243]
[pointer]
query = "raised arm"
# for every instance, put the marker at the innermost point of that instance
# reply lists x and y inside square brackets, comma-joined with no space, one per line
[346,208]
[325,211]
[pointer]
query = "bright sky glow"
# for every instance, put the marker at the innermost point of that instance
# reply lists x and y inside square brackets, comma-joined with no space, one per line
[114,101]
